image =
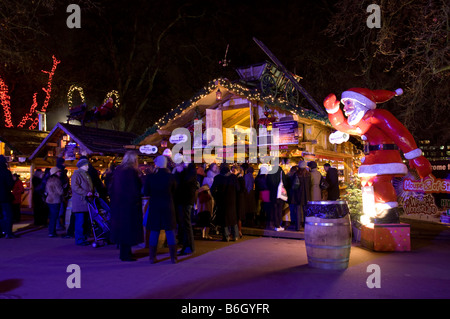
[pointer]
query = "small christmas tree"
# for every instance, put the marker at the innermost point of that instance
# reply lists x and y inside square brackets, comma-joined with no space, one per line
[353,197]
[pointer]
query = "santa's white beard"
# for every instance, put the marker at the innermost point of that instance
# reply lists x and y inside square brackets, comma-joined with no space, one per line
[355,116]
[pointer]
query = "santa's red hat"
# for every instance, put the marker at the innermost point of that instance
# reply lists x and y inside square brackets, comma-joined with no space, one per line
[369,98]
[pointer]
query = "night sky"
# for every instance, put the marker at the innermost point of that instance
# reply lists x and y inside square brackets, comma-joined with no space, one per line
[159,53]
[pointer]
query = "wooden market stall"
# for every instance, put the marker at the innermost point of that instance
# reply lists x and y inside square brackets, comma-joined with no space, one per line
[71,142]
[261,100]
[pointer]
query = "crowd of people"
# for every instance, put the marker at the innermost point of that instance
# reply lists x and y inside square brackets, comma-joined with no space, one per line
[180,196]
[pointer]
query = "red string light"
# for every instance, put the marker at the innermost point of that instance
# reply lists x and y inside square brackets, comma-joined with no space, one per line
[34,124]
[48,90]
[29,115]
[32,115]
[5,101]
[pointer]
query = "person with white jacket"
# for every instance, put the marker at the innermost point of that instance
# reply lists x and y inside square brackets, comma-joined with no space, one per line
[212,171]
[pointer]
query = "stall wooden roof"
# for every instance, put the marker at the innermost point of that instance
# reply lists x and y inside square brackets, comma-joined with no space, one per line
[22,141]
[95,141]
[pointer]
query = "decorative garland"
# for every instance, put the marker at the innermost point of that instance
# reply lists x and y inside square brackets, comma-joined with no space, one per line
[110,95]
[70,93]
[80,90]
[238,89]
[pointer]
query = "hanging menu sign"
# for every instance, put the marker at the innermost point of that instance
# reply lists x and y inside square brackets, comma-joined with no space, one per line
[288,132]
[69,151]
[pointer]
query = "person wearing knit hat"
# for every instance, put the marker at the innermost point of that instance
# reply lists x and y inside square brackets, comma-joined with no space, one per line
[54,170]
[83,162]
[385,136]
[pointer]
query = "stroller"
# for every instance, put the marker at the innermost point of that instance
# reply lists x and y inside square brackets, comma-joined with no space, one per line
[213,227]
[99,214]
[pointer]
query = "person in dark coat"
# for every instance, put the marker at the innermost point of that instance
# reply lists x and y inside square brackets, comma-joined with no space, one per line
[40,208]
[276,208]
[161,187]
[6,199]
[224,190]
[187,186]
[333,182]
[300,186]
[250,195]
[261,190]
[293,185]
[126,206]
[17,192]
[241,203]
[107,176]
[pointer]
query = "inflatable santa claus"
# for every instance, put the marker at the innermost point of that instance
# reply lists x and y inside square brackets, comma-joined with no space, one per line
[384,138]
[105,109]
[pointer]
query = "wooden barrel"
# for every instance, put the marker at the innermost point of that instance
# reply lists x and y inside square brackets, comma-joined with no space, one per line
[328,240]
[327,209]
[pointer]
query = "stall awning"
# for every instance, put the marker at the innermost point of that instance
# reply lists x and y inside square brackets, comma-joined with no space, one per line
[93,140]
[22,141]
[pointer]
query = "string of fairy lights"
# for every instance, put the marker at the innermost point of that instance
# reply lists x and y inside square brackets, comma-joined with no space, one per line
[114,94]
[29,115]
[48,90]
[238,89]
[6,103]
[70,92]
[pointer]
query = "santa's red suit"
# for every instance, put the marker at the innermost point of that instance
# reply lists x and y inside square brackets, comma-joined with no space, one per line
[105,109]
[384,136]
